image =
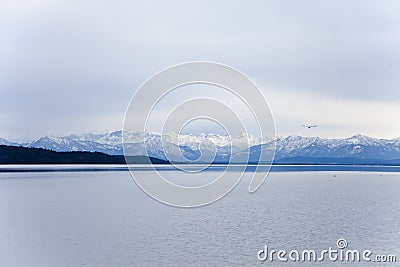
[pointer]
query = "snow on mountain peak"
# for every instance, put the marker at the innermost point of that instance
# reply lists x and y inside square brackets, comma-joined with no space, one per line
[5,142]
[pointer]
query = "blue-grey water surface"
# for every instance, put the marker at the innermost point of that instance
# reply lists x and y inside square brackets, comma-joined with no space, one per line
[103,219]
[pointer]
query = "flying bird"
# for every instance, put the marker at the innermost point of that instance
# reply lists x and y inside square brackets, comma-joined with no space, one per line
[309,126]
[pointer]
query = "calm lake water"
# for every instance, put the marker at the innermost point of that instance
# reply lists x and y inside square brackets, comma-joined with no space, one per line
[102,219]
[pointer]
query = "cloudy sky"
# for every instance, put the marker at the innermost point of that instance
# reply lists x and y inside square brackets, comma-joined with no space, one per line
[72,66]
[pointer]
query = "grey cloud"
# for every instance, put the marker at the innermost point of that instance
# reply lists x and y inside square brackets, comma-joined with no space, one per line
[64,59]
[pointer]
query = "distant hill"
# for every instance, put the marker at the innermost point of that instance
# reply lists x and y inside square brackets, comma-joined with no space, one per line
[26,155]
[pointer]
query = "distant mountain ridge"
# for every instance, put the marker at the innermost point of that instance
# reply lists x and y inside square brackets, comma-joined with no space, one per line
[292,149]
[357,148]
[4,142]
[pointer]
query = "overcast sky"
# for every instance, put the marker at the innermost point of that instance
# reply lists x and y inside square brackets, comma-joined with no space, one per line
[72,66]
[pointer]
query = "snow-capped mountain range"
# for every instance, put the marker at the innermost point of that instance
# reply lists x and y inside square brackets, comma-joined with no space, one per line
[193,147]
[355,149]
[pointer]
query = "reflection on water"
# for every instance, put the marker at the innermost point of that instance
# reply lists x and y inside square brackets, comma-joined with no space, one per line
[104,219]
